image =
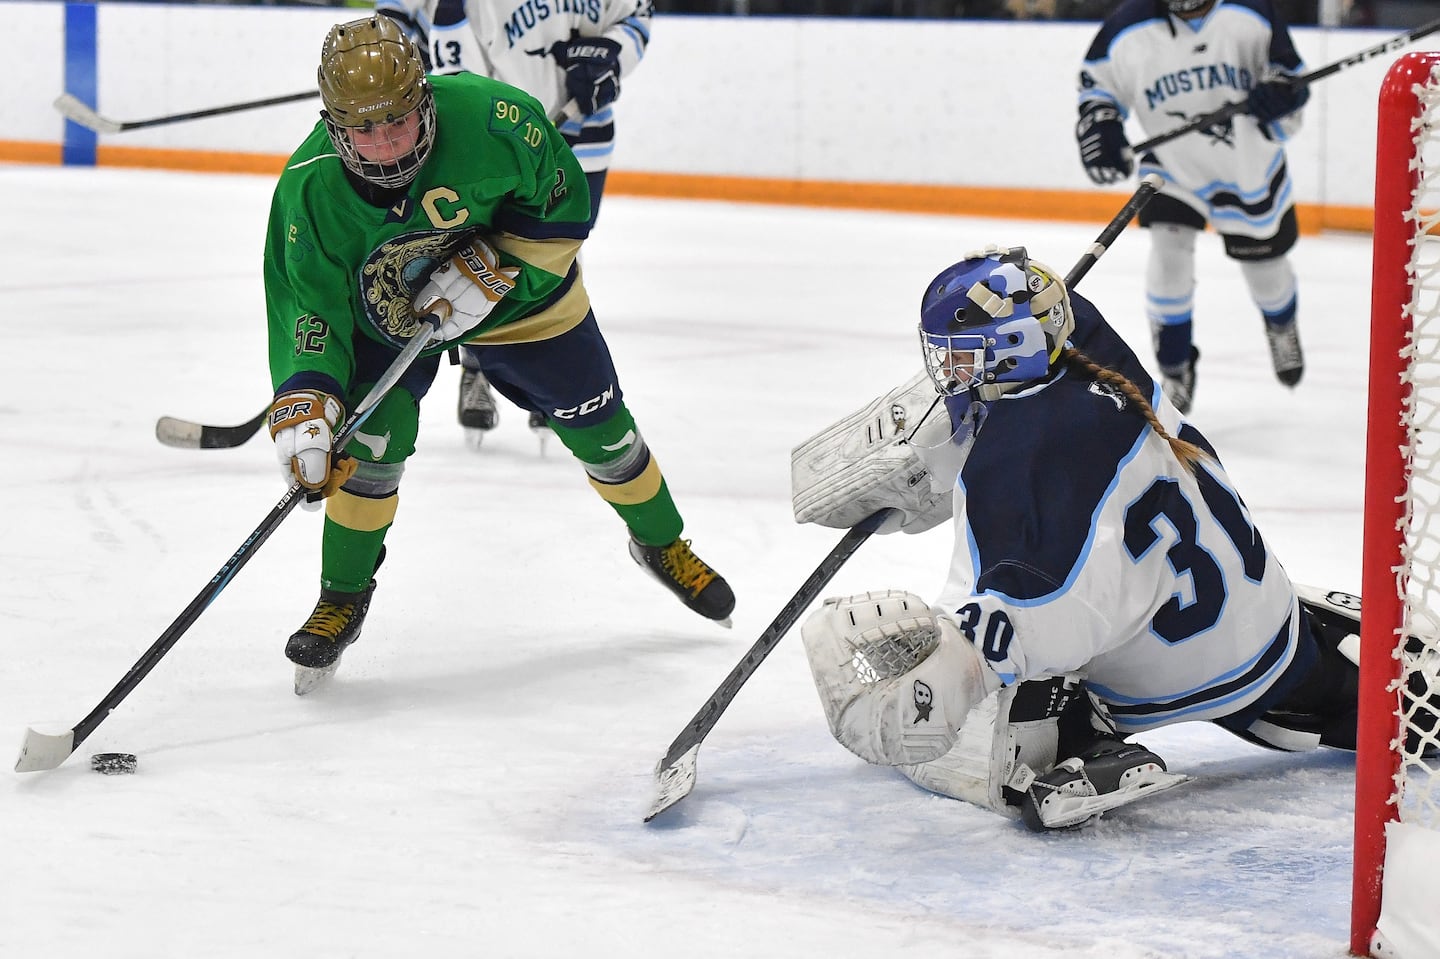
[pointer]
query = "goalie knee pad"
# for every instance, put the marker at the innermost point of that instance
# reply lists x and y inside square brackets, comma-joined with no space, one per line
[895,680]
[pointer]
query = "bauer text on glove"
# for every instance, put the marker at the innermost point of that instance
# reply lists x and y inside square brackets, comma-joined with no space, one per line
[302,424]
[592,70]
[464,289]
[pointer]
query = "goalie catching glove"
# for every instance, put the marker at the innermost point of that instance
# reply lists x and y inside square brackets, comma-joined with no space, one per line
[302,424]
[464,289]
[878,458]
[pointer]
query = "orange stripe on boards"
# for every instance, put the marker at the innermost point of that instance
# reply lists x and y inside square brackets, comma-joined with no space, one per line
[1000,202]
[22,151]
[1081,206]
[193,161]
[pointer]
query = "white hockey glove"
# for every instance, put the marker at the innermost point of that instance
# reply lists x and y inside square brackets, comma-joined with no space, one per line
[863,463]
[896,680]
[302,424]
[464,289]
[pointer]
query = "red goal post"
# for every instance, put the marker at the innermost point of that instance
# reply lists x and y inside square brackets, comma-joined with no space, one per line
[1395,909]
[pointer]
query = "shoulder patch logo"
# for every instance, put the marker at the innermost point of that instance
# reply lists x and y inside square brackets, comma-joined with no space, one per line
[1110,393]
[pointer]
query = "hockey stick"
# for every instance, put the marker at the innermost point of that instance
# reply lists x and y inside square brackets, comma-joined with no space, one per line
[1150,183]
[187,435]
[48,750]
[1229,110]
[675,773]
[78,112]
[73,109]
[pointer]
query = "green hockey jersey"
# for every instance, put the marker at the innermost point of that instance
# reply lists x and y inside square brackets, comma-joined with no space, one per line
[338,267]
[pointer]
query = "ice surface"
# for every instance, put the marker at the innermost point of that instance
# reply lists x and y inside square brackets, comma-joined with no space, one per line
[473,781]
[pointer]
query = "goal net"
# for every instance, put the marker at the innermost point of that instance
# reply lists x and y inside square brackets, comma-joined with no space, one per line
[1397,802]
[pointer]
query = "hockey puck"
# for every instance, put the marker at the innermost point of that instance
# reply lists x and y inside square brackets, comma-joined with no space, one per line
[113,764]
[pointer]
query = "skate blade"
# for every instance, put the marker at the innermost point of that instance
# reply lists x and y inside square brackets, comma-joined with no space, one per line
[308,679]
[474,438]
[1072,811]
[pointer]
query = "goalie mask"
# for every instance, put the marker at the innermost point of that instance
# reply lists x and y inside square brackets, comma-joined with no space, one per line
[379,109]
[996,317]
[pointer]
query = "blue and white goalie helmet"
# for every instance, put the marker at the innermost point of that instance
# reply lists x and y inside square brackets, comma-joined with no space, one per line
[996,317]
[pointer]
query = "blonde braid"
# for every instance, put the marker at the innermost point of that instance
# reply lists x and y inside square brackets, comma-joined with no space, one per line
[1186,452]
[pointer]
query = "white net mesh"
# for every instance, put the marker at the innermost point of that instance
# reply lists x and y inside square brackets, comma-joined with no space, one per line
[1419,685]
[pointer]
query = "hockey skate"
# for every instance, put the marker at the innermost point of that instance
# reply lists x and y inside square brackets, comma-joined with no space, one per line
[1178,382]
[1285,354]
[540,426]
[476,410]
[1077,790]
[316,647]
[679,570]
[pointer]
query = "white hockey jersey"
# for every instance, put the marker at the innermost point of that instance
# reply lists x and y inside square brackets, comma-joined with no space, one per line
[511,40]
[1164,71]
[1083,545]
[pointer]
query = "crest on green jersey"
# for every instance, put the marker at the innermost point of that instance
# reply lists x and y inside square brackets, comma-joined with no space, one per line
[394,272]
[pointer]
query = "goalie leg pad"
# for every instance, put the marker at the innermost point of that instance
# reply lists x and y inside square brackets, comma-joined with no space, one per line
[1320,708]
[895,680]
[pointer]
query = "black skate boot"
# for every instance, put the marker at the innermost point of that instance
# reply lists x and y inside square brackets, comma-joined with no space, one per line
[477,410]
[686,575]
[1285,354]
[540,426]
[334,625]
[1077,790]
[1178,382]
[315,648]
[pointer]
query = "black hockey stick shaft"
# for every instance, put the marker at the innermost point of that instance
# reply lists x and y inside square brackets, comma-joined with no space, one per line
[699,727]
[46,752]
[1149,185]
[1229,110]
[82,114]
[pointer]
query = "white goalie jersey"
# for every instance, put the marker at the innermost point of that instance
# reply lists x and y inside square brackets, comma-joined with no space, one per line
[511,41]
[1164,72]
[1105,557]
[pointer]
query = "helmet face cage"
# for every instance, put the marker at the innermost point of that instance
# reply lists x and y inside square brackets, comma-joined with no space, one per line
[995,317]
[372,79]
[1182,7]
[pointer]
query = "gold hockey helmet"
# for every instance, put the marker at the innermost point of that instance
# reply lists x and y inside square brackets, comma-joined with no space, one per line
[372,79]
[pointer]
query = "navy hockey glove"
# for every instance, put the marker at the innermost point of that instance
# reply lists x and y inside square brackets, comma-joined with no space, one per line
[592,70]
[1273,99]
[1103,147]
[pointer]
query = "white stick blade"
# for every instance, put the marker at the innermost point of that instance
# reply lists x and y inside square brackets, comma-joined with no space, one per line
[44,751]
[69,105]
[674,782]
[181,434]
